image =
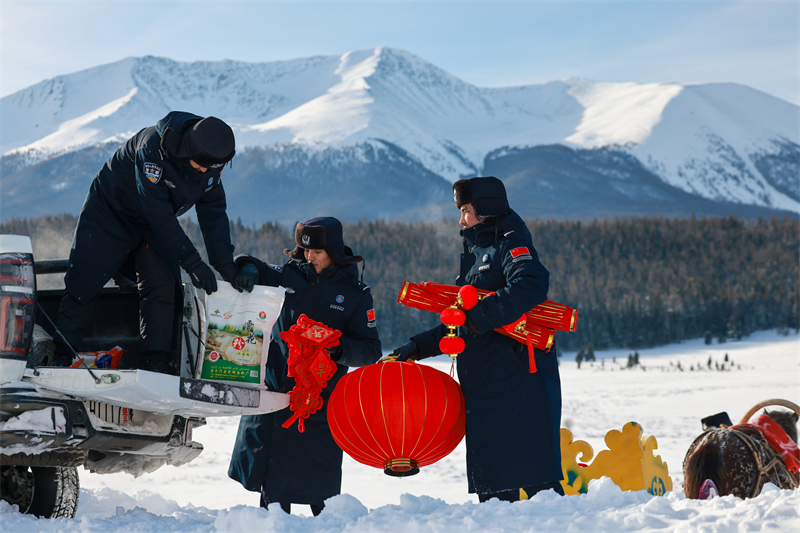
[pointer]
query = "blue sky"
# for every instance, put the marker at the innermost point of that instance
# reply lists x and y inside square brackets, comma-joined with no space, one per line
[486,43]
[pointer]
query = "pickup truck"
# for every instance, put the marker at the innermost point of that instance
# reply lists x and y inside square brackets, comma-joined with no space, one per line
[54,420]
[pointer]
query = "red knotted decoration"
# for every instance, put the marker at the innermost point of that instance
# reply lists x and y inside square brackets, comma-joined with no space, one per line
[310,365]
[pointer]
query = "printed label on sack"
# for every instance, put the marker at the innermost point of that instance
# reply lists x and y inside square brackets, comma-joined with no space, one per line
[238,330]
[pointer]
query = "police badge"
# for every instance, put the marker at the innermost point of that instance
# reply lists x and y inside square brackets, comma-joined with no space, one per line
[153,172]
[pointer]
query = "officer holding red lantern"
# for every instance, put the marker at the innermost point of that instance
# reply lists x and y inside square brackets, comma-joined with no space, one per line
[513,415]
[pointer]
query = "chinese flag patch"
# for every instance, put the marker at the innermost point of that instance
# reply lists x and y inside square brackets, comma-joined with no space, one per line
[521,253]
[371,315]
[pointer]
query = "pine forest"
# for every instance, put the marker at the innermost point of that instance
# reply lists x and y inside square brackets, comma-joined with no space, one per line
[637,282]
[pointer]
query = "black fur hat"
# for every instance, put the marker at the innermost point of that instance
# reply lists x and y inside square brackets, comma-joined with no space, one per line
[208,142]
[486,194]
[322,233]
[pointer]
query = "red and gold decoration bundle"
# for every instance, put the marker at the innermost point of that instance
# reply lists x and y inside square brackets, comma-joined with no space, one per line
[310,365]
[397,416]
[536,328]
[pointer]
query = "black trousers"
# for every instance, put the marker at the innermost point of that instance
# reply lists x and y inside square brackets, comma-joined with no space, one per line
[156,286]
[514,495]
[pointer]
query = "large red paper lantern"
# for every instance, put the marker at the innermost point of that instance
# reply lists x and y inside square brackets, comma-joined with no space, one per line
[397,416]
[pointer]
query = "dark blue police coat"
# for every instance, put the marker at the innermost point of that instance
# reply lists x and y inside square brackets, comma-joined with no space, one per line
[286,465]
[138,196]
[513,416]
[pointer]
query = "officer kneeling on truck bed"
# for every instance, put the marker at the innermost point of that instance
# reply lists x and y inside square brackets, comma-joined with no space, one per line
[130,217]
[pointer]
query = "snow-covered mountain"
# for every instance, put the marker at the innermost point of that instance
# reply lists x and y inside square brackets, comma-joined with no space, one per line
[381,132]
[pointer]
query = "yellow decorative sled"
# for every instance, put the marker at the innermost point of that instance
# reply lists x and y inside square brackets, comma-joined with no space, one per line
[629,462]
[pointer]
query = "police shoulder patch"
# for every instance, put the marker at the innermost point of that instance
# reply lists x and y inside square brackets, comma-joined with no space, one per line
[275,267]
[521,253]
[153,172]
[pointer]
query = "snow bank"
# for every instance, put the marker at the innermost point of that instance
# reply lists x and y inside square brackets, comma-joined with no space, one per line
[604,508]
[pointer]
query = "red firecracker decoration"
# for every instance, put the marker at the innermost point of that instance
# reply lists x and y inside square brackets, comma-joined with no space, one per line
[534,329]
[397,416]
[310,365]
[547,314]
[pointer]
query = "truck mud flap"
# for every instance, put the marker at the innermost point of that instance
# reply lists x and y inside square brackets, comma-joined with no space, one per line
[157,393]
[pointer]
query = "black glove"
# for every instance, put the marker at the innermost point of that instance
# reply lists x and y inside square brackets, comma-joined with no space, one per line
[227,268]
[470,324]
[201,274]
[405,352]
[245,278]
[335,352]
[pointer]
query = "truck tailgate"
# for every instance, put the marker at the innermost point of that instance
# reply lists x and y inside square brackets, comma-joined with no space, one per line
[158,393]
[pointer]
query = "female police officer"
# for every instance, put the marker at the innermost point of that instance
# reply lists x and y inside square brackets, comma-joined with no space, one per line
[131,213]
[321,281]
[513,416]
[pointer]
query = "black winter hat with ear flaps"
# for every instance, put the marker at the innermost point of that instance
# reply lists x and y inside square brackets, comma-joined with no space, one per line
[208,142]
[486,194]
[322,233]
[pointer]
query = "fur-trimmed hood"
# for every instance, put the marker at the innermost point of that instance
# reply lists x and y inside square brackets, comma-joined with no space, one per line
[322,233]
[487,196]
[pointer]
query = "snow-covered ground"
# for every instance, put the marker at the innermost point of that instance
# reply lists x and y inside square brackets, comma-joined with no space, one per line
[666,401]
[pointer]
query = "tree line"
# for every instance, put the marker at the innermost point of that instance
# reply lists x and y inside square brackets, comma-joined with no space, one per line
[636,282]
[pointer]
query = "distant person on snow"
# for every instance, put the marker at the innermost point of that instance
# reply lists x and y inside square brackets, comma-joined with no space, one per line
[129,223]
[513,416]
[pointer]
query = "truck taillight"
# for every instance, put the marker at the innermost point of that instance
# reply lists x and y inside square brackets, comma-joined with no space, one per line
[17,304]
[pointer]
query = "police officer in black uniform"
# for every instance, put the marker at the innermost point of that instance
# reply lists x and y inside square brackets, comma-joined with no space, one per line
[513,416]
[130,216]
[321,281]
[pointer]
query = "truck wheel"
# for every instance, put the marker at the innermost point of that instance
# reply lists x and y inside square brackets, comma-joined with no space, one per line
[44,491]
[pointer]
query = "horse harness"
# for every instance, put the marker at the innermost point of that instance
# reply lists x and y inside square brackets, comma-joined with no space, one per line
[764,453]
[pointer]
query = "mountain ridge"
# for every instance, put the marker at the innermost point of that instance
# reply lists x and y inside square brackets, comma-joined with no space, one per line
[724,143]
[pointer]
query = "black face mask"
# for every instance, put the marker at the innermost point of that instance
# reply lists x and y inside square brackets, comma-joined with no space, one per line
[190,172]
